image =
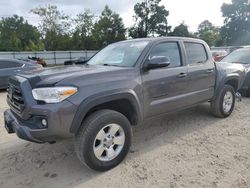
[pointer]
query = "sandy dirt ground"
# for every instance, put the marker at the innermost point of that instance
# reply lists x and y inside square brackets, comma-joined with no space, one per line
[187,149]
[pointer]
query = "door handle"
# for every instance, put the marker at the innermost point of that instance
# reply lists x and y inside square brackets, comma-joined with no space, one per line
[182,75]
[209,70]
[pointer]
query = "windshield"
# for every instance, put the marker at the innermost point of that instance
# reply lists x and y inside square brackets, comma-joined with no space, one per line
[124,54]
[239,56]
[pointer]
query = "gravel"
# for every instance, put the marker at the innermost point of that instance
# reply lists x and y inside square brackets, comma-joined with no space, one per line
[186,149]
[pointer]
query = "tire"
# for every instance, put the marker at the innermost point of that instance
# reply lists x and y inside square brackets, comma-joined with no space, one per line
[92,138]
[217,108]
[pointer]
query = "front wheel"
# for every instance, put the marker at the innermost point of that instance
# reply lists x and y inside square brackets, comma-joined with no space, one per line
[223,105]
[103,140]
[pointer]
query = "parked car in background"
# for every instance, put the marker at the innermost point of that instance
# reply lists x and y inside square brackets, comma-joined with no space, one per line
[10,67]
[36,60]
[218,55]
[241,56]
[76,61]
[228,49]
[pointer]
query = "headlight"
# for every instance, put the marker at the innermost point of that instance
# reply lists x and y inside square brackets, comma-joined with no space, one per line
[53,94]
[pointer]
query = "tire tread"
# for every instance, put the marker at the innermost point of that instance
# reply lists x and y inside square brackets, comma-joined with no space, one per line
[87,129]
[216,104]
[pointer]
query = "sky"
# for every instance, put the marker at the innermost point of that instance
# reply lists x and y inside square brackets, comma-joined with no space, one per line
[192,12]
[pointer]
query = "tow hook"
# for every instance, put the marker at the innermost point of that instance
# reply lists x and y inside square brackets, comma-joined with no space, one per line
[238,97]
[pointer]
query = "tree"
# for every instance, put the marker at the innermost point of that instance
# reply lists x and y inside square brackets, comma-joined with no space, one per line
[236,29]
[109,28]
[150,19]
[84,23]
[17,35]
[54,26]
[181,31]
[209,33]
[204,26]
[83,34]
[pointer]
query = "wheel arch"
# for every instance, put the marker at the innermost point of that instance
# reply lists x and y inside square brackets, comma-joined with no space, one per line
[125,102]
[232,80]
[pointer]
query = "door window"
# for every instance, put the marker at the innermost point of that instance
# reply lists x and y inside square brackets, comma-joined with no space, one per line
[196,53]
[170,50]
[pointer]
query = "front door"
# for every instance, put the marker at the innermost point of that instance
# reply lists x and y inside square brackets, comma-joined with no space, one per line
[165,88]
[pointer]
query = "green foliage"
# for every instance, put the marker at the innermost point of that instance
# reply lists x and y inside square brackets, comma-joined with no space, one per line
[209,33]
[236,30]
[109,28]
[54,27]
[181,31]
[84,23]
[56,31]
[150,20]
[17,35]
[52,19]
[87,34]
[54,41]
[83,33]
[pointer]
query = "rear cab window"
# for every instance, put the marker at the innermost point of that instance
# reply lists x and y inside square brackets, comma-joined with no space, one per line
[196,53]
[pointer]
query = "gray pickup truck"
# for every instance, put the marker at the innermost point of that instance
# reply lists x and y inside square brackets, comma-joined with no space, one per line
[122,86]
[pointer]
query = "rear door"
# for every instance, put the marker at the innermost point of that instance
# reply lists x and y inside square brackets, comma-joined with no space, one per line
[7,69]
[165,88]
[201,72]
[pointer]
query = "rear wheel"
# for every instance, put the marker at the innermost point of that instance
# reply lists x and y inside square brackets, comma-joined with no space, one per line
[103,140]
[224,103]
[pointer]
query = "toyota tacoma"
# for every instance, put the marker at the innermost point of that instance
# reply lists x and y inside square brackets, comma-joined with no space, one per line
[122,86]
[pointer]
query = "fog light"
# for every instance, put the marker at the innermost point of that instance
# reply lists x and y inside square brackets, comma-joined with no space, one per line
[44,122]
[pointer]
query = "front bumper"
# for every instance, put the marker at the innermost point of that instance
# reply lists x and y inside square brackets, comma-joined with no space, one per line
[26,115]
[59,119]
[13,125]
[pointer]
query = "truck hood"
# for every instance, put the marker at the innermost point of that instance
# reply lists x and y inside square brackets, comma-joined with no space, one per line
[51,76]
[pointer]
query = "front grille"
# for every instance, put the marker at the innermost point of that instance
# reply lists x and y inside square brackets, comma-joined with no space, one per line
[15,97]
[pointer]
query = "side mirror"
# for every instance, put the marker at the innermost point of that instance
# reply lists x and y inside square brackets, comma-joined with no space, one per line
[158,62]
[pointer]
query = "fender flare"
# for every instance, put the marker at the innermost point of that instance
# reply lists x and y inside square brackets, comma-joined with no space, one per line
[224,81]
[101,98]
